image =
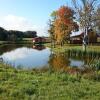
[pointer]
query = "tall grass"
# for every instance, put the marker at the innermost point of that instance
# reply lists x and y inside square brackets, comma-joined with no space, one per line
[80,53]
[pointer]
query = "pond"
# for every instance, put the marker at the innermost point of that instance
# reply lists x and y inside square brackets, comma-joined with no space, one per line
[29,56]
[25,56]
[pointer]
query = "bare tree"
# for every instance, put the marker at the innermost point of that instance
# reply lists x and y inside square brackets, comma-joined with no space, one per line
[97,15]
[85,10]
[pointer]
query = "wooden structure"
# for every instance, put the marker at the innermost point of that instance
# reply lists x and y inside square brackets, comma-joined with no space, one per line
[38,47]
[39,40]
[78,39]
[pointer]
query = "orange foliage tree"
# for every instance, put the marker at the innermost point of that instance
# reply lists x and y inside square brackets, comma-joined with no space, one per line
[63,24]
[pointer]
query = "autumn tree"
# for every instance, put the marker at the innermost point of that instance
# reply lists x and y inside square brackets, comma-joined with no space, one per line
[63,24]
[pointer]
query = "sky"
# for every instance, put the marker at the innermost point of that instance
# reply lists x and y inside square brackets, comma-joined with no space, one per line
[26,15]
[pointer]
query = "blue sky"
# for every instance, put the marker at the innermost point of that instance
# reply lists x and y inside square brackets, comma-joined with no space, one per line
[28,14]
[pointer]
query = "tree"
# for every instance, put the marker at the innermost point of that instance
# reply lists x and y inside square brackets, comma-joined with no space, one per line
[51,32]
[13,35]
[3,34]
[62,24]
[97,15]
[85,14]
[30,34]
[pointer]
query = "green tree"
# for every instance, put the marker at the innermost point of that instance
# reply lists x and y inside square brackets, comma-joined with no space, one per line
[51,33]
[3,34]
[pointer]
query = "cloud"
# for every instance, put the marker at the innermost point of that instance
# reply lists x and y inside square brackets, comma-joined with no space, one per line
[12,22]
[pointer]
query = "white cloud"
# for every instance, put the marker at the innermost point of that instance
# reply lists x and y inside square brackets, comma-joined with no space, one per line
[12,22]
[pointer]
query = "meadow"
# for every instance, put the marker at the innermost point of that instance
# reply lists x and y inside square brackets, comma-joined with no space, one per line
[35,84]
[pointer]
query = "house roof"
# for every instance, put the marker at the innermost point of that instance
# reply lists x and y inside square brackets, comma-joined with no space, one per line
[98,34]
[77,33]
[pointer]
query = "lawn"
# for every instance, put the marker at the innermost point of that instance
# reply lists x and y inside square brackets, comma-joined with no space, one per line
[18,84]
[23,41]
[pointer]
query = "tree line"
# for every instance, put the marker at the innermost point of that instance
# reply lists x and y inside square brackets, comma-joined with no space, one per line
[13,35]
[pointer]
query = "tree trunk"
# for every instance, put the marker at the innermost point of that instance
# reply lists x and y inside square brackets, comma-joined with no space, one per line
[85,40]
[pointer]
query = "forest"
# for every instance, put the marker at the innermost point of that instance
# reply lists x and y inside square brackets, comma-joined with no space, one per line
[14,35]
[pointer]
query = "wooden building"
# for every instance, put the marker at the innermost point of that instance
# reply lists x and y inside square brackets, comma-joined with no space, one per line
[78,39]
[39,40]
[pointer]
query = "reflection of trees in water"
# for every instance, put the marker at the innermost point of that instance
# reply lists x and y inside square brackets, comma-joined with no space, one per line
[8,48]
[59,62]
[38,47]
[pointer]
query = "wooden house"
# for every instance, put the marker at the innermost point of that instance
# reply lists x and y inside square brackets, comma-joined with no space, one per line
[78,39]
[39,40]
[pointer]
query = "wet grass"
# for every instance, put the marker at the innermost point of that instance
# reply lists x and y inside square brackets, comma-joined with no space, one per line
[21,84]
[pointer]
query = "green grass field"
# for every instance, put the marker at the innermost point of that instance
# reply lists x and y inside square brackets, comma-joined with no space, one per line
[17,84]
[23,41]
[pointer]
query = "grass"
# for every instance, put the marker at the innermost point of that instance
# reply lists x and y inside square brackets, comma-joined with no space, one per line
[73,46]
[3,42]
[21,84]
[23,41]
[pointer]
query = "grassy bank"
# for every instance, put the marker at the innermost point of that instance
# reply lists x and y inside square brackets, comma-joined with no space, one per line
[73,46]
[34,85]
[3,42]
[23,41]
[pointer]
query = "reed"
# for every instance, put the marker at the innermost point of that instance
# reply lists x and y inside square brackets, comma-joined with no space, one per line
[77,52]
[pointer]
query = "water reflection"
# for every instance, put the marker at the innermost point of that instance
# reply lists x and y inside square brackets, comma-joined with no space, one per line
[27,57]
[59,62]
[39,47]
[72,64]
[76,63]
[10,47]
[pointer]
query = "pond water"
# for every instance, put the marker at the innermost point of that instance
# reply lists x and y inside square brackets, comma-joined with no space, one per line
[25,56]
[28,56]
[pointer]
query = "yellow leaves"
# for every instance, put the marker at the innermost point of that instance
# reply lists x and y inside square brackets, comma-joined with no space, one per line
[59,62]
[63,24]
